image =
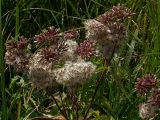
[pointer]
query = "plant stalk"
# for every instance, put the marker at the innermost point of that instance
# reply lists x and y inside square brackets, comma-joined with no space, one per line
[62,112]
[95,92]
[59,107]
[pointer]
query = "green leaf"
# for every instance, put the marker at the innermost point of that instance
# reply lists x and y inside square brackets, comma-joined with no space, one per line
[13,81]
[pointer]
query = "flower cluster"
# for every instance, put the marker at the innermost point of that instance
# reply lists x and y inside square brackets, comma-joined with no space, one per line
[40,72]
[16,54]
[86,49]
[74,73]
[145,84]
[59,57]
[72,34]
[53,53]
[44,66]
[70,54]
[108,29]
[148,86]
[117,13]
[147,110]
[97,31]
[55,60]
[155,98]
[51,35]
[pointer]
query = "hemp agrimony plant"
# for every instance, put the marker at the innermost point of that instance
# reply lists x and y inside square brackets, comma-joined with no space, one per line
[54,58]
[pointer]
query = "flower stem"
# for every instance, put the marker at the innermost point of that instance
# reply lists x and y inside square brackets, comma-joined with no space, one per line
[59,107]
[19,110]
[64,109]
[96,89]
[74,100]
[62,112]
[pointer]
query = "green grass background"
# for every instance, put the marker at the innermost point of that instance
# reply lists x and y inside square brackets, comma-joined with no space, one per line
[116,98]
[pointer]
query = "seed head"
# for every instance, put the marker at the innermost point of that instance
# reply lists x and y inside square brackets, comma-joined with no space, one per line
[96,30]
[155,97]
[16,54]
[11,44]
[147,111]
[22,43]
[86,49]
[70,53]
[74,73]
[40,73]
[145,84]
[40,39]
[72,34]
[50,35]
[117,13]
[53,53]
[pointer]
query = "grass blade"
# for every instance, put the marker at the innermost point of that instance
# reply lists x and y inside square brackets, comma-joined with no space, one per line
[17,21]
[4,106]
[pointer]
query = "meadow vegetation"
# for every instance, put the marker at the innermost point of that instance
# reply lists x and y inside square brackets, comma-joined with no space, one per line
[79,59]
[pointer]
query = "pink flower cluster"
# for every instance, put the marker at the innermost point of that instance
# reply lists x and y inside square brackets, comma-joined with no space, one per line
[54,57]
[145,84]
[16,53]
[108,29]
[148,86]
[47,65]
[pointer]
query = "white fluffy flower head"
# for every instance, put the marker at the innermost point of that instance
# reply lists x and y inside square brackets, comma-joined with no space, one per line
[147,110]
[96,31]
[74,73]
[40,73]
[70,53]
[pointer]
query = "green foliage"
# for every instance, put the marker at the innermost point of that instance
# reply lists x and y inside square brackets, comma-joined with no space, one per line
[116,98]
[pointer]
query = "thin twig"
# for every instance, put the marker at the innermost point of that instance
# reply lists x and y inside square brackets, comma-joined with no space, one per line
[106,63]
[74,101]
[64,109]
[95,92]
[62,112]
